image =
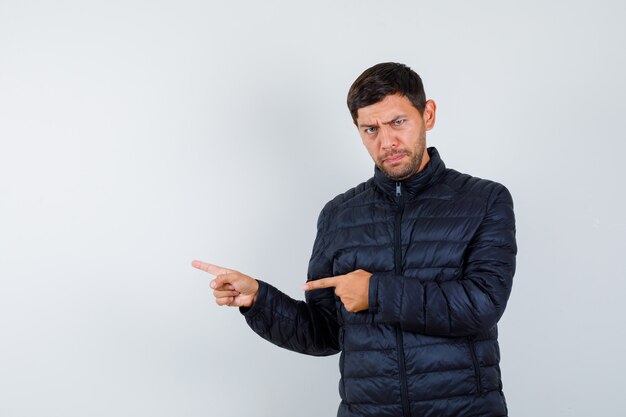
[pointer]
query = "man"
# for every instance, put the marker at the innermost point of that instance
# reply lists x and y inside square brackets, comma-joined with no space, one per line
[410,272]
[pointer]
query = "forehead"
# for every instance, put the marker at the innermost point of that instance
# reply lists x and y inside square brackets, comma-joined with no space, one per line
[388,108]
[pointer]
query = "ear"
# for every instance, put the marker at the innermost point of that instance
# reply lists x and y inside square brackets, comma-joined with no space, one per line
[429,116]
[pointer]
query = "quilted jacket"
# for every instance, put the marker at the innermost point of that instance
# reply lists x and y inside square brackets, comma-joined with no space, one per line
[441,248]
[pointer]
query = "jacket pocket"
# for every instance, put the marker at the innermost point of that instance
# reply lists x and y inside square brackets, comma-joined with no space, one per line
[472,347]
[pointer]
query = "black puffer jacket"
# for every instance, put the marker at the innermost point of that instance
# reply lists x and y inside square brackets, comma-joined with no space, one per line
[441,247]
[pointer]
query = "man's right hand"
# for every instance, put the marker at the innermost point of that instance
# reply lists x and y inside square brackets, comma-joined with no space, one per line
[230,287]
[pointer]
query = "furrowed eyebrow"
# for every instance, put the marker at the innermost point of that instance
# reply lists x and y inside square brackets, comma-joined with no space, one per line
[402,116]
[361,126]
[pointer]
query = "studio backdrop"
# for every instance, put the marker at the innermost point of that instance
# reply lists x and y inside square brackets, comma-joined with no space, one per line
[136,136]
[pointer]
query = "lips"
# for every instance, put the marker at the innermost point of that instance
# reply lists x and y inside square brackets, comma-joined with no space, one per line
[392,159]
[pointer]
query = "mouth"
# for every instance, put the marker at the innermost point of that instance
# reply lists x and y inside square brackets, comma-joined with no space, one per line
[393,159]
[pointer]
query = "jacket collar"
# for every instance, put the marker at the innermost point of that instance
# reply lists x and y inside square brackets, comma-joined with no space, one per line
[416,183]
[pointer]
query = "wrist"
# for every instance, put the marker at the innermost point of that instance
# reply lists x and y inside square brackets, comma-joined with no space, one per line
[256,292]
[259,296]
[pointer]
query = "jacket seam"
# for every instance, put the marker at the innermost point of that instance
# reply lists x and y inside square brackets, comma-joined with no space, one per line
[425,400]
[403,246]
[459,343]
[466,368]
[359,225]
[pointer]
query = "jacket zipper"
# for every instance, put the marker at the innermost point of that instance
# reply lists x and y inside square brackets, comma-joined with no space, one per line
[404,392]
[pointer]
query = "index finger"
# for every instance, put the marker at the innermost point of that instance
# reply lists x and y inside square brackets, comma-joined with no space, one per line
[210,268]
[321,283]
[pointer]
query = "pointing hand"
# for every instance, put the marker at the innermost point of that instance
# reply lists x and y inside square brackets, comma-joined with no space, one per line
[352,288]
[230,287]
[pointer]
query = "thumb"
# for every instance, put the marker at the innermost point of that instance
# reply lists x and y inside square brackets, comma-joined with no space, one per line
[222,279]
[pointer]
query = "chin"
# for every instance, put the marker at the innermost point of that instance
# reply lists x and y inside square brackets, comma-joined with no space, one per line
[397,175]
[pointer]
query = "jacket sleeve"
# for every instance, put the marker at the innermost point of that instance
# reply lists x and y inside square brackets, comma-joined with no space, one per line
[309,327]
[469,305]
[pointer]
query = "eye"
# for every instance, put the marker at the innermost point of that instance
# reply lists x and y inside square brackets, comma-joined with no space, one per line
[370,130]
[399,122]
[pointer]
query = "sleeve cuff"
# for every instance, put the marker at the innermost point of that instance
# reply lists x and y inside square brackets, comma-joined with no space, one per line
[372,297]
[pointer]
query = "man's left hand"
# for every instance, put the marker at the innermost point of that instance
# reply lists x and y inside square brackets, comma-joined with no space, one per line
[352,288]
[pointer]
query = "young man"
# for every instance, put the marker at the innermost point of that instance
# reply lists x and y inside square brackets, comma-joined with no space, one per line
[410,272]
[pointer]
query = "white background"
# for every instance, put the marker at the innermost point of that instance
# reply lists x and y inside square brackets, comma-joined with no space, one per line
[136,136]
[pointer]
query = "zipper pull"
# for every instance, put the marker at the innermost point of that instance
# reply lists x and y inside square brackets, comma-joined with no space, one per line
[398,189]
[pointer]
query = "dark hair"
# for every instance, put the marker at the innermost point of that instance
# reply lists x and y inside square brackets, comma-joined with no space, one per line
[382,80]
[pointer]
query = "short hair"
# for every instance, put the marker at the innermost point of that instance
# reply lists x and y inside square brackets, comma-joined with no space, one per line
[382,80]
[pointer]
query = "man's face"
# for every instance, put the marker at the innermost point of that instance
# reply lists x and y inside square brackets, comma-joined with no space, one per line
[394,133]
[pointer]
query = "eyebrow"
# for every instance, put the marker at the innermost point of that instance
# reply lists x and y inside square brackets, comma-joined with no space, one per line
[385,123]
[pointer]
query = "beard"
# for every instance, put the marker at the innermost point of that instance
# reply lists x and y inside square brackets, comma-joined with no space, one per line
[409,167]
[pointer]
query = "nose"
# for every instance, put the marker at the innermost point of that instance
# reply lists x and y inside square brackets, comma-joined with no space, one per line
[387,138]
